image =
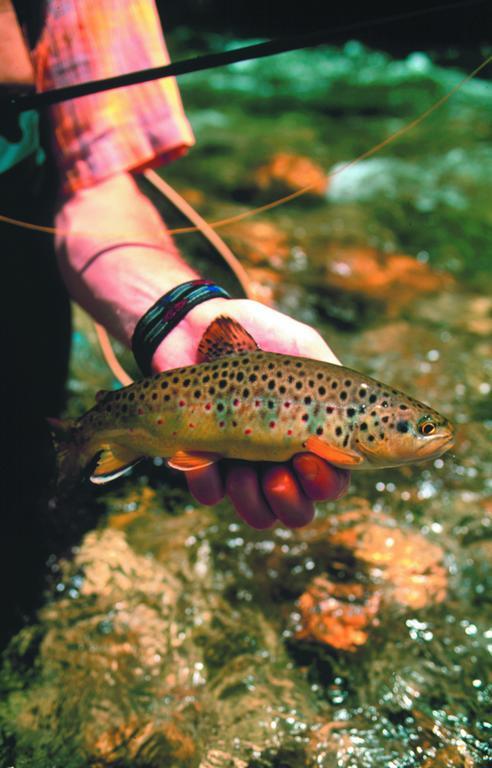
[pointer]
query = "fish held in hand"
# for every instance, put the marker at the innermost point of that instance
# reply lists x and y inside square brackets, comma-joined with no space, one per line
[240,402]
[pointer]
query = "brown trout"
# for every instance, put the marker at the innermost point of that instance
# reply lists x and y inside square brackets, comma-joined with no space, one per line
[244,403]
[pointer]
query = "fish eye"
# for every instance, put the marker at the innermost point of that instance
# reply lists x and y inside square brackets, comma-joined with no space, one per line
[426,426]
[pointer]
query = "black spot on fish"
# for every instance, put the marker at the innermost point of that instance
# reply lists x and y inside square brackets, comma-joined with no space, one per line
[271,384]
[319,375]
[167,398]
[363,426]
[197,393]
[271,404]
[373,398]
[319,431]
[402,426]
[205,379]
[343,395]
[252,378]
[334,384]
[154,395]
[322,391]
[350,412]
[308,400]
[385,419]
[381,435]
[264,377]
[299,364]
[211,391]
[348,383]
[175,379]
[299,385]
[215,376]
[245,392]
[220,406]
[282,390]
[345,441]
[362,392]
[271,366]
[403,407]
[222,384]
[186,382]
[338,431]
[235,363]
[305,416]
[384,404]
[371,438]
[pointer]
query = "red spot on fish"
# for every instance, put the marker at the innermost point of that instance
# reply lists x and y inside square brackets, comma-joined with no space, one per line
[289,432]
[174,434]
[181,403]
[221,423]
[160,421]
[272,424]
[140,411]
[235,402]
[191,426]
[257,403]
[208,407]
[248,431]
[287,404]
[329,409]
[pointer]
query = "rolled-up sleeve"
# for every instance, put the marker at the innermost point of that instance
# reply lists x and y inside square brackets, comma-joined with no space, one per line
[123,129]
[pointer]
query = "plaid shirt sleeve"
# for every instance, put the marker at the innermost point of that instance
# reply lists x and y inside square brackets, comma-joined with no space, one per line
[123,129]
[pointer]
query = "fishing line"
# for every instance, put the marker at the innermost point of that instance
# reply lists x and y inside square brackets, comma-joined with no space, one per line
[280,201]
[22,102]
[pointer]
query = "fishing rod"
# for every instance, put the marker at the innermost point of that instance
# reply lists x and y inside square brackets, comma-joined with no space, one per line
[24,101]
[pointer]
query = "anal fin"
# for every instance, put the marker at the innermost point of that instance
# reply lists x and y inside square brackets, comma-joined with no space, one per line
[188,460]
[112,462]
[340,457]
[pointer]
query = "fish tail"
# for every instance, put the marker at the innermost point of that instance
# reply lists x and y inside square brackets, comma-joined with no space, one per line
[70,459]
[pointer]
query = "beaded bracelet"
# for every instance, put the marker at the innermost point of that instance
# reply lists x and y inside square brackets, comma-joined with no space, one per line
[165,315]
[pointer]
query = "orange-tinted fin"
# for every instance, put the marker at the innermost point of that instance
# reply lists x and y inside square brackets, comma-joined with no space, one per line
[187,460]
[224,336]
[340,457]
[112,463]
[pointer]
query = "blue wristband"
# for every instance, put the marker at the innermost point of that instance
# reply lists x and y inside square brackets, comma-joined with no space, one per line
[165,315]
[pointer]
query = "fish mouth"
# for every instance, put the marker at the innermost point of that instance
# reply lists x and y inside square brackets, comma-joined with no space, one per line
[432,448]
[444,442]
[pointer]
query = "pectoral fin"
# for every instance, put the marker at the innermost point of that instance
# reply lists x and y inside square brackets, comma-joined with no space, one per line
[188,460]
[340,457]
[112,462]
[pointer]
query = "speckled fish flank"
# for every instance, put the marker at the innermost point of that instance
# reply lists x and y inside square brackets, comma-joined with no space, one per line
[256,405]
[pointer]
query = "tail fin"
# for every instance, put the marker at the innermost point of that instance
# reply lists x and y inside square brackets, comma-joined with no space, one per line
[69,458]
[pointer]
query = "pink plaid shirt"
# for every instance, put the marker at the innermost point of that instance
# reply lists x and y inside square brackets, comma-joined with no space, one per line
[123,129]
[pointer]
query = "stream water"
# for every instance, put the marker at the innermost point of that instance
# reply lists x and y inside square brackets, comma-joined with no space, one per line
[173,635]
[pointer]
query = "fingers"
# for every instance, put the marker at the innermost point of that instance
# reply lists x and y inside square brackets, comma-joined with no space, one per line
[243,489]
[206,485]
[286,499]
[281,492]
[320,481]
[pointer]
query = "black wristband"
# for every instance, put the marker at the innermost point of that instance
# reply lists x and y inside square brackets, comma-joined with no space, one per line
[165,314]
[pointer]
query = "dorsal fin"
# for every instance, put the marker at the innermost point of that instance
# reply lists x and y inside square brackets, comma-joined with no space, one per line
[224,336]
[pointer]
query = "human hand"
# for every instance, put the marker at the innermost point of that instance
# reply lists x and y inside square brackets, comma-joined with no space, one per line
[263,492]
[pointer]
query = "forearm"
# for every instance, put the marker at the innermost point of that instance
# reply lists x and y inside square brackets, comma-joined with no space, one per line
[115,255]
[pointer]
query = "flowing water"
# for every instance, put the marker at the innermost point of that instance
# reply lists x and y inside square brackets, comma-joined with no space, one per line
[173,635]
